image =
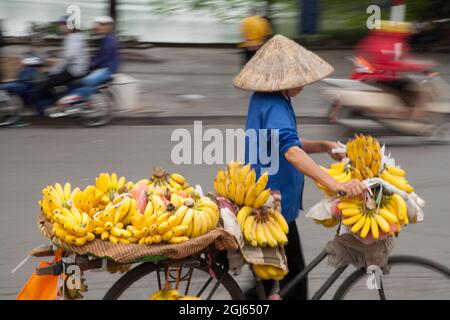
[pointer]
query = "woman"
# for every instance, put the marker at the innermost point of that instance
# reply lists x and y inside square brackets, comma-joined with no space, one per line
[278,72]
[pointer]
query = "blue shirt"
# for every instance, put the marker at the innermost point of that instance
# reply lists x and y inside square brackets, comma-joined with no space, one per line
[108,54]
[274,112]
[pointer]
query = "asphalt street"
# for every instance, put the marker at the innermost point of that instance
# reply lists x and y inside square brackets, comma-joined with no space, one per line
[31,158]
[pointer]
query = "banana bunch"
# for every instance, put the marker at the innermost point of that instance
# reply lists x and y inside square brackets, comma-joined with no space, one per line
[56,197]
[110,185]
[340,171]
[238,183]
[73,226]
[175,183]
[398,207]
[364,153]
[396,177]
[268,272]
[387,219]
[111,223]
[201,218]
[90,200]
[263,228]
[170,294]
[162,225]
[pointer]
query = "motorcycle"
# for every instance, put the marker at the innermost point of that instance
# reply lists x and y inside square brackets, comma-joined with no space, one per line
[372,98]
[24,93]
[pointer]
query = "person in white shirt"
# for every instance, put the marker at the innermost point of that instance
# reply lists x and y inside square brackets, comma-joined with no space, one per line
[75,58]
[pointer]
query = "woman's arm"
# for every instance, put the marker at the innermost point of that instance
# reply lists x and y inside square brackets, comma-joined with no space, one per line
[317,146]
[303,162]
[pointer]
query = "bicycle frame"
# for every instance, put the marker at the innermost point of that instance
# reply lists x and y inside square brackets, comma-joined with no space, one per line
[325,286]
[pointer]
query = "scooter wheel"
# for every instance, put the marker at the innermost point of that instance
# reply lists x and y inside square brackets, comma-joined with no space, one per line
[101,114]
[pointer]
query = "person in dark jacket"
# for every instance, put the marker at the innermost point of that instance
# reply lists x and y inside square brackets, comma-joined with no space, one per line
[105,62]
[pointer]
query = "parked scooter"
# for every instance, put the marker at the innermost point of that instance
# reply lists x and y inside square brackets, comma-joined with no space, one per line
[417,105]
[24,92]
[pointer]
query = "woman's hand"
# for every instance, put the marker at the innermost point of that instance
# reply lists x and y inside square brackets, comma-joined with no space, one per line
[330,145]
[352,188]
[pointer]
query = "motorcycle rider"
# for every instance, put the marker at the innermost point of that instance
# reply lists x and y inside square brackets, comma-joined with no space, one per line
[385,52]
[75,59]
[105,62]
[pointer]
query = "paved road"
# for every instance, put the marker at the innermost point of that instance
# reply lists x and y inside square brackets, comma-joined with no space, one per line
[196,82]
[33,157]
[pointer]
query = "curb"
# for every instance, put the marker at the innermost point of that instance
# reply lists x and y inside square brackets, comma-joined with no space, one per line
[159,120]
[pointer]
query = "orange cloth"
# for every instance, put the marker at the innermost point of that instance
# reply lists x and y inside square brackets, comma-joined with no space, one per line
[44,287]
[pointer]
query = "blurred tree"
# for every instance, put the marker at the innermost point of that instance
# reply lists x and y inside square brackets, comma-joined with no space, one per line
[221,8]
[427,10]
[113,9]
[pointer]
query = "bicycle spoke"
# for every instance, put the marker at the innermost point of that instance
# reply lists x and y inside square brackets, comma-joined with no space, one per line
[204,287]
[191,271]
[214,289]
[159,279]
[381,291]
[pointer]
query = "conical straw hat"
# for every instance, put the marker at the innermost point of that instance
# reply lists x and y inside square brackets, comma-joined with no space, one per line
[281,64]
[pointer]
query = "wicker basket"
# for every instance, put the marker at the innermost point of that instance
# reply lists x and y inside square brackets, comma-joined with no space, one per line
[128,253]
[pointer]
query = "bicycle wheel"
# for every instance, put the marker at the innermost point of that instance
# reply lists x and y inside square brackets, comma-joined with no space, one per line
[145,279]
[409,278]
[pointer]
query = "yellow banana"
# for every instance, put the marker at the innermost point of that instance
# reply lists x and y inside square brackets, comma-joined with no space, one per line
[156,239]
[276,231]
[80,241]
[271,241]
[401,207]
[179,215]
[221,176]
[163,227]
[367,173]
[338,166]
[396,171]
[177,239]
[359,224]
[250,180]
[230,189]
[69,238]
[374,228]
[178,178]
[262,182]
[366,228]
[188,217]
[280,220]
[367,154]
[243,171]
[388,216]
[261,199]
[167,235]
[348,205]
[353,219]
[180,230]
[402,185]
[240,194]
[196,225]
[347,213]
[242,215]
[260,235]
[382,223]
[247,228]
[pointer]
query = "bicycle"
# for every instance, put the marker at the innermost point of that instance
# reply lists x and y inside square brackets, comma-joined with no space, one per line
[195,274]
[358,290]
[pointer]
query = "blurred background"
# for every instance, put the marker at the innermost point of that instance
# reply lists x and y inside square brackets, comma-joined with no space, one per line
[216,21]
[177,59]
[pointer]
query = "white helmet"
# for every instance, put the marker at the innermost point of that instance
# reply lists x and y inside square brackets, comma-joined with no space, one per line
[104,20]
